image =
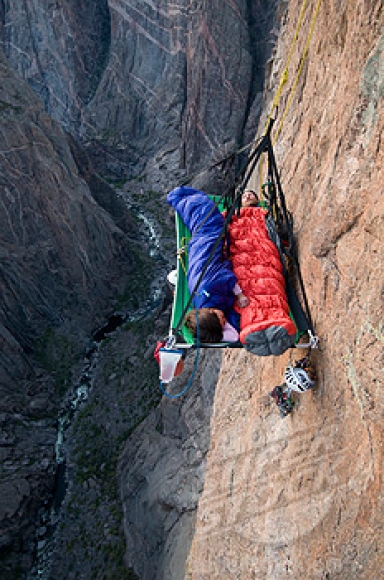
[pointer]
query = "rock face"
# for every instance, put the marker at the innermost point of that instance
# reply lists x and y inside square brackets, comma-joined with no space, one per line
[162,473]
[140,87]
[178,85]
[61,50]
[63,260]
[302,497]
[51,226]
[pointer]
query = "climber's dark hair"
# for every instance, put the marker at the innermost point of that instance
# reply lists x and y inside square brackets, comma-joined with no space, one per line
[210,329]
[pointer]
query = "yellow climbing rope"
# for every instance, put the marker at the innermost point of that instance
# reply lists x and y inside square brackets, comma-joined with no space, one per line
[299,70]
[284,76]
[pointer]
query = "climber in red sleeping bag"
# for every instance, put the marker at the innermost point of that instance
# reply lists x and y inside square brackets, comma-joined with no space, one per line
[265,325]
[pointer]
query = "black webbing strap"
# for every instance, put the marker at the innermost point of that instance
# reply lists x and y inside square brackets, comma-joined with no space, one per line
[289,229]
[228,158]
[300,319]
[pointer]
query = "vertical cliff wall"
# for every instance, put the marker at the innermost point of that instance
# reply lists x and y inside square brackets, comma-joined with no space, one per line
[63,263]
[138,81]
[60,48]
[302,497]
[169,87]
[56,240]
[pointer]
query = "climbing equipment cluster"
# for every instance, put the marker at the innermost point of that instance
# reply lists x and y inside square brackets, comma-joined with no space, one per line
[178,340]
[283,399]
[299,378]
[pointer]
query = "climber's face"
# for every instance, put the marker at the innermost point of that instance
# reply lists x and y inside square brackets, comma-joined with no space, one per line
[249,198]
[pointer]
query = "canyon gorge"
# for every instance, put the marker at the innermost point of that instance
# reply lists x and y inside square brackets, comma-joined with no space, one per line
[105,106]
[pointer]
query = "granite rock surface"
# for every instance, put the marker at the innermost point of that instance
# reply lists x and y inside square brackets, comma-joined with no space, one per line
[63,262]
[302,497]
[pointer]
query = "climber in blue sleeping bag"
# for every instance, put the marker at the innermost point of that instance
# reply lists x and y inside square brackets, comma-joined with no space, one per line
[218,288]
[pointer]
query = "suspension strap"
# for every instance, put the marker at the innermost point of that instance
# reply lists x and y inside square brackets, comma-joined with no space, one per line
[288,224]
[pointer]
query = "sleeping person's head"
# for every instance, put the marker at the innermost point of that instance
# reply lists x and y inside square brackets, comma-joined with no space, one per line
[249,198]
[211,322]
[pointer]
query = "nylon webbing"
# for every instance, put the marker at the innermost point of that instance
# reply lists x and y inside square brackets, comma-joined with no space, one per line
[287,221]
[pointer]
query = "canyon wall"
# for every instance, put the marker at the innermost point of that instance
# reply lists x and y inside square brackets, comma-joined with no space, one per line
[173,84]
[302,497]
[64,263]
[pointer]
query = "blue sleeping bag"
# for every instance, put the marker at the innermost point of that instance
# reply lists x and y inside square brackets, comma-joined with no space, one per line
[216,287]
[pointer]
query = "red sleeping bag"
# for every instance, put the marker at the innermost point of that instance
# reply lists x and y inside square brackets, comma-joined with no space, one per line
[265,325]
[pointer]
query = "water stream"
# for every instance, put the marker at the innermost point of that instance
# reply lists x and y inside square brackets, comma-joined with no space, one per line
[49,515]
